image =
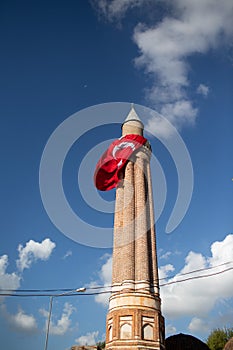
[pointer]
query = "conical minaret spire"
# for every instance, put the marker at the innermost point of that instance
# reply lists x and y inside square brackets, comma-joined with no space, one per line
[132,116]
[132,123]
[134,319]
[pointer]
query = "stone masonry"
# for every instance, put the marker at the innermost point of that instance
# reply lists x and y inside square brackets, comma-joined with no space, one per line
[134,319]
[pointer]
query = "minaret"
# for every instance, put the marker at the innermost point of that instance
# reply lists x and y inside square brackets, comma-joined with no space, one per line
[134,319]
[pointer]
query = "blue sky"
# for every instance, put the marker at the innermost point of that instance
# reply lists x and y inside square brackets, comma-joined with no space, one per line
[57,60]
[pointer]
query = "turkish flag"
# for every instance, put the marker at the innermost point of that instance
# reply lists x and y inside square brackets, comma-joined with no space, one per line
[114,159]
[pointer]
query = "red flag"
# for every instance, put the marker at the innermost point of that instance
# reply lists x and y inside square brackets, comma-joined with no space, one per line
[114,159]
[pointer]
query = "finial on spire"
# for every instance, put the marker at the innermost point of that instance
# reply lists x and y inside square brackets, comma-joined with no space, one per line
[132,123]
[132,116]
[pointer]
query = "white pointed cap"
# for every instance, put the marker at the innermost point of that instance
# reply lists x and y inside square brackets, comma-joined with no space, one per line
[132,123]
[132,116]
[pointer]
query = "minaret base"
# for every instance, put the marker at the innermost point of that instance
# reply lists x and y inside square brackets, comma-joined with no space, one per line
[134,322]
[123,345]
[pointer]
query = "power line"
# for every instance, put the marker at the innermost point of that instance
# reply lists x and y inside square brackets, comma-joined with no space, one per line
[19,294]
[197,277]
[107,286]
[38,290]
[198,270]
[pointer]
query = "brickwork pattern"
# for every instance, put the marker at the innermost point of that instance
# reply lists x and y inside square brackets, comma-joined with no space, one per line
[134,252]
[134,320]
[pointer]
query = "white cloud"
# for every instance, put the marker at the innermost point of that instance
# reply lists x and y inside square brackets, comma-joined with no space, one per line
[7,280]
[88,339]
[164,271]
[20,321]
[165,48]
[62,325]
[222,251]
[170,329]
[191,298]
[179,112]
[115,9]
[165,256]
[197,297]
[34,251]
[198,325]
[106,271]
[105,277]
[187,28]
[67,254]
[223,317]
[203,90]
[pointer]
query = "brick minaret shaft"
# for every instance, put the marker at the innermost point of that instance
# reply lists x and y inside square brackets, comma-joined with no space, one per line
[134,320]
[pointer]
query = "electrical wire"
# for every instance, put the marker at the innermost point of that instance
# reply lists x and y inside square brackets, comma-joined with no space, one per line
[72,292]
[198,270]
[197,277]
[109,286]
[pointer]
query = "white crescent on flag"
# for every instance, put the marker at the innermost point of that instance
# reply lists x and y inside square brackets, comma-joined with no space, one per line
[108,169]
[121,146]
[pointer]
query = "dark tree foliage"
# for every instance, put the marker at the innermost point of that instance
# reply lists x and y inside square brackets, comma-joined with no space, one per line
[100,345]
[219,337]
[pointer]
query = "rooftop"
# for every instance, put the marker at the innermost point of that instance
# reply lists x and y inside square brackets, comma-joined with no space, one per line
[184,342]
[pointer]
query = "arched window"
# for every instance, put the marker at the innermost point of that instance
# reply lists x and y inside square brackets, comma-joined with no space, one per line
[126,331]
[147,332]
[110,333]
